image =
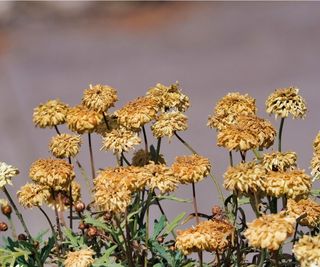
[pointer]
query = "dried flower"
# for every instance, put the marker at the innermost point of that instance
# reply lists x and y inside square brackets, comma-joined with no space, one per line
[80,258]
[285,101]
[292,184]
[229,107]
[279,161]
[307,251]
[269,231]
[191,169]
[99,97]
[137,113]
[141,158]
[54,173]
[50,114]
[245,178]
[33,195]
[80,119]
[168,123]
[316,144]
[212,235]
[65,145]
[305,206]
[169,97]
[120,140]
[315,166]
[6,173]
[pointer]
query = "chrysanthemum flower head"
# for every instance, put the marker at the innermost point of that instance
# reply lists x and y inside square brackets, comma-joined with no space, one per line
[269,231]
[65,145]
[191,169]
[212,235]
[80,119]
[315,166]
[99,97]
[316,144]
[168,123]
[279,161]
[285,101]
[307,251]
[79,258]
[6,173]
[50,114]
[33,195]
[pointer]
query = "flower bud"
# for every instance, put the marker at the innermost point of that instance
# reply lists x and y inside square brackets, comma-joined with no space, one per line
[3,226]
[79,206]
[92,232]
[6,210]
[22,237]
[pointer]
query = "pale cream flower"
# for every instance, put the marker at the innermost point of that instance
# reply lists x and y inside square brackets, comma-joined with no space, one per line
[65,145]
[33,195]
[307,251]
[79,258]
[6,173]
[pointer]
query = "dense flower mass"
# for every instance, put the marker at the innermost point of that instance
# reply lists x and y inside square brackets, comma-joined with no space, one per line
[168,123]
[80,258]
[6,173]
[80,119]
[169,97]
[212,235]
[141,158]
[269,231]
[50,114]
[137,113]
[285,101]
[65,145]
[99,97]
[245,178]
[279,161]
[33,195]
[191,169]
[307,251]
[57,174]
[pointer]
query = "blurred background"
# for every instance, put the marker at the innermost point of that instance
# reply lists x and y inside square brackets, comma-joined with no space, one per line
[54,50]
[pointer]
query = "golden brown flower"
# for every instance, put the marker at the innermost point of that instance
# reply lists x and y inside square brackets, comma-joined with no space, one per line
[99,97]
[279,161]
[169,97]
[50,114]
[315,166]
[269,231]
[54,173]
[292,184]
[103,128]
[6,173]
[65,145]
[248,132]
[191,169]
[310,208]
[212,235]
[80,119]
[307,251]
[168,123]
[137,113]
[245,178]
[316,144]
[285,101]
[141,158]
[162,178]
[79,258]
[229,107]
[120,140]
[32,195]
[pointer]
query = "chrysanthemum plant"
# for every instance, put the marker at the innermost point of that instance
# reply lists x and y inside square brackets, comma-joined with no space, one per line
[114,229]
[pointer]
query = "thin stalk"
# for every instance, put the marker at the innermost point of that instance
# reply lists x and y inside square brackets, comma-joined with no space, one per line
[147,234]
[125,159]
[243,156]
[57,216]
[71,201]
[195,206]
[257,154]
[280,134]
[85,175]
[106,121]
[230,158]
[93,173]
[276,258]
[49,221]
[118,159]
[185,143]
[13,228]
[128,235]
[57,130]
[218,258]
[17,212]
[262,257]
[158,150]
[145,139]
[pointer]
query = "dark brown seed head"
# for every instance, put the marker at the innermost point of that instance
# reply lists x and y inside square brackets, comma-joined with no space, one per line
[6,210]
[92,232]
[3,226]
[22,237]
[79,206]
[160,239]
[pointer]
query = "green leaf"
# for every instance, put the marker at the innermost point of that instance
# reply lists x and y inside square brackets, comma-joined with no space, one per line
[171,226]
[8,257]
[73,240]
[163,253]
[158,227]
[99,223]
[243,201]
[45,251]
[315,192]
[173,198]
[105,260]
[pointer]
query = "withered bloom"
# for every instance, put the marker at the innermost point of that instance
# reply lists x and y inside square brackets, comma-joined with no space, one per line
[65,145]
[307,251]
[279,161]
[80,258]
[33,195]
[141,158]
[7,172]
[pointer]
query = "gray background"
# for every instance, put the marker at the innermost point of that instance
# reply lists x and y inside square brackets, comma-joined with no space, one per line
[54,50]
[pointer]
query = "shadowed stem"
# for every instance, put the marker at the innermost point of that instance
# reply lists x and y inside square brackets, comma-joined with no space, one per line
[49,221]
[93,173]
[280,134]
[12,226]
[262,257]
[57,130]
[230,158]
[106,121]
[125,159]
[158,150]
[145,139]
[70,200]
[57,216]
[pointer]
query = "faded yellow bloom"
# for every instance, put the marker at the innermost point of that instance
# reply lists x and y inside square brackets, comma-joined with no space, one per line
[292,184]
[245,178]
[316,144]
[7,172]
[162,178]
[99,97]
[33,195]
[168,123]
[106,127]
[279,161]
[80,119]
[65,145]
[57,174]
[285,101]
[305,206]
[212,235]
[169,97]
[137,113]
[80,258]
[229,107]
[269,231]
[50,114]
[191,169]
[141,158]
[120,140]
[307,251]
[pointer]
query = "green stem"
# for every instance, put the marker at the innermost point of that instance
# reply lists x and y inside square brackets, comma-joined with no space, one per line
[280,134]
[49,221]
[85,175]
[12,226]
[93,173]
[262,257]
